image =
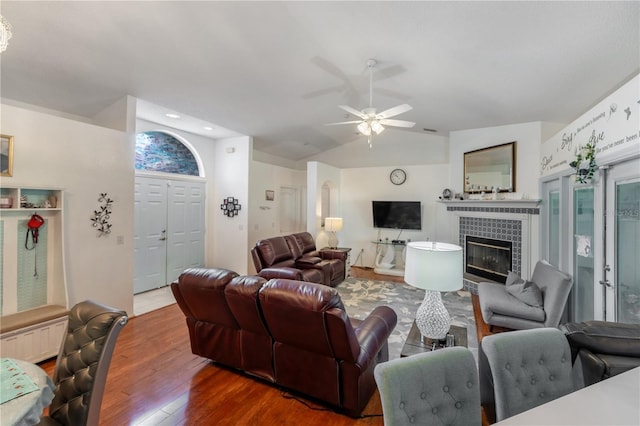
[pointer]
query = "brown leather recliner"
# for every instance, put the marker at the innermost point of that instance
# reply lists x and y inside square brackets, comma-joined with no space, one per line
[318,349]
[292,333]
[273,258]
[303,247]
[224,320]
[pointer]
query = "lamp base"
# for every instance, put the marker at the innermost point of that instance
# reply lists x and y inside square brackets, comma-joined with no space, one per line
[333,240]
[432,317]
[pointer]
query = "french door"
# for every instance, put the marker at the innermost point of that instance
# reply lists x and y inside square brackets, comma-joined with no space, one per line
[169,230]
[621,281]
[593,232]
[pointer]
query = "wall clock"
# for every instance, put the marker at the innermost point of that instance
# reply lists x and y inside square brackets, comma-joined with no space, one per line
[230,207]
[398,176]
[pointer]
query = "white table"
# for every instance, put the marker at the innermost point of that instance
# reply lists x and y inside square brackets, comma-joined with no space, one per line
[27,409]
[614,401]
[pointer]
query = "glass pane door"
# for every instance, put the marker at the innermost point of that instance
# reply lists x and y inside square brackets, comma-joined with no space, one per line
[582,295]
[623,243]
[628,252]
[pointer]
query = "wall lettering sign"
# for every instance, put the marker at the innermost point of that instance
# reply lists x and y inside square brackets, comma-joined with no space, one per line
[612,125]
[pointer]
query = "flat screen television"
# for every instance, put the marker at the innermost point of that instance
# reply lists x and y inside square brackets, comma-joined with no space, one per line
[397,214]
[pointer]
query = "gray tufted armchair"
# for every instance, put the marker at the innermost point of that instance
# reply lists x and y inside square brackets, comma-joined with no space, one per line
[82,364]
[522,369]
[431,388]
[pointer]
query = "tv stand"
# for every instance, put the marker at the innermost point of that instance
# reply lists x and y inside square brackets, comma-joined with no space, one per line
[390,257]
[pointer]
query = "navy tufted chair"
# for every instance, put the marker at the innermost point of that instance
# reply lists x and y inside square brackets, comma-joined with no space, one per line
[82,364]
[431,388]
[523,369]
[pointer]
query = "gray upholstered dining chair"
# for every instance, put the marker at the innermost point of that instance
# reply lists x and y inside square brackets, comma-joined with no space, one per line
[431,388]
[522,369]
[82,364]
[501,308]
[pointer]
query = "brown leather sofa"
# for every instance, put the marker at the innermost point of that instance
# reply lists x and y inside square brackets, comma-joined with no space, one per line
[295,257]
[292,333]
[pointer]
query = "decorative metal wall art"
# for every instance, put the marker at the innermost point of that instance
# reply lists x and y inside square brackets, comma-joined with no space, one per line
[101,217]
[230,207]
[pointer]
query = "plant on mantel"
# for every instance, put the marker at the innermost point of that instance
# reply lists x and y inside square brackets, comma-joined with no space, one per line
[585,163]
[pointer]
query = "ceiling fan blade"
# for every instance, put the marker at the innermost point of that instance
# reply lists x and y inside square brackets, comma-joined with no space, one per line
[344,122]
[321,92]
[397,110]
[353,111]
[393,94]
[388,72]
[397,123]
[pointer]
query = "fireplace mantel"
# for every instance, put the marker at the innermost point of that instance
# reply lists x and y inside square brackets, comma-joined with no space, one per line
[515,204]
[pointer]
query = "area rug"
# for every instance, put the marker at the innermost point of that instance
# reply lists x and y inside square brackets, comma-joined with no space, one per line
[361,296]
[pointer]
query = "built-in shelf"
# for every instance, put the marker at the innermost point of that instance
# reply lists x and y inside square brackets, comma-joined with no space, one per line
[33,273]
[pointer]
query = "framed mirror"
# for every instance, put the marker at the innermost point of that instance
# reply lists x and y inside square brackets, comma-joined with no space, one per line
[6,149]
[489,168]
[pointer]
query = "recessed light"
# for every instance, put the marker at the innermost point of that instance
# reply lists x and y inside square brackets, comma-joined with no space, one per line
[208,128]
[171,115]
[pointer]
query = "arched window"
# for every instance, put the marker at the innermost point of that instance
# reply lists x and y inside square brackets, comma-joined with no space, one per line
[161,152]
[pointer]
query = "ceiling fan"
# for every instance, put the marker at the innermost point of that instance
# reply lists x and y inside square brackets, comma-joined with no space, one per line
[370,122]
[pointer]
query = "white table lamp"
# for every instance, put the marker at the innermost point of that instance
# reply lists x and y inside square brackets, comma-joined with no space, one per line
[331,225]
[434,267]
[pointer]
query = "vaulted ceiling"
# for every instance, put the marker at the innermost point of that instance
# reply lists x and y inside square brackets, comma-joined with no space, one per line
[278,70]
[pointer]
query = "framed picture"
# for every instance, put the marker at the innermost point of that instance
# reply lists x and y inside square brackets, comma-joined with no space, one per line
[6,149]
[269,195]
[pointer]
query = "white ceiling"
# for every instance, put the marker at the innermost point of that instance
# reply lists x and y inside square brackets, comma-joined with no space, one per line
[278,70]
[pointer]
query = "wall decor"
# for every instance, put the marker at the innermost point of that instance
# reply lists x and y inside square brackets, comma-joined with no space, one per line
[490,169]
[612,126]
[102,216]
[6,150]
[585,163]
[269,195]
[230,207]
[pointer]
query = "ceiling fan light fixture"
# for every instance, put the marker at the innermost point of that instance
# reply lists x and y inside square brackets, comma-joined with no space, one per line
[5,33]
[377,127]
[364,128]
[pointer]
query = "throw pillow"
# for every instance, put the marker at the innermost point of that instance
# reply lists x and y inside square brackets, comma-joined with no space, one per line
[525,291]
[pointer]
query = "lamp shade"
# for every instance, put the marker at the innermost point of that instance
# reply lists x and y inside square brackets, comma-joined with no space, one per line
[433,266]
[332,224]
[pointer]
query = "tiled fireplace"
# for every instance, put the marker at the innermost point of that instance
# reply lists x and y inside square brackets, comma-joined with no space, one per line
[495,237]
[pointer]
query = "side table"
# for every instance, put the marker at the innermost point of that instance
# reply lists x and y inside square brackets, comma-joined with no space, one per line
[341,253]
[415,343]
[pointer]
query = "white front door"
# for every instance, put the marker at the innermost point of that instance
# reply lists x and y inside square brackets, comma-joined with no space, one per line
[169,230]
[150,234]
[185,227]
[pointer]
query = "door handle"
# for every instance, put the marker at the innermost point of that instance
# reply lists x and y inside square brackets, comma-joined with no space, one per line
[605,282]
[164,235]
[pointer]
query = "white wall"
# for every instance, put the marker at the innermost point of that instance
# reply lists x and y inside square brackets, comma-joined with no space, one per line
[528,137]
[264,216]
[84,160]
[361,186]
[390,147]
[230,236]
[317,175]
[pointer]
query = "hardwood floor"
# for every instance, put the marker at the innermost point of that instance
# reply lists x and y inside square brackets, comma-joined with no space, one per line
[154,379]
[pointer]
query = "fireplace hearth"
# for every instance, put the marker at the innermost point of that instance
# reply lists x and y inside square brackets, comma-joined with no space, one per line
[488,258]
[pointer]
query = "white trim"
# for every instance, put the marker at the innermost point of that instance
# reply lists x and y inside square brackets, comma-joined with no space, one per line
[517,204]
